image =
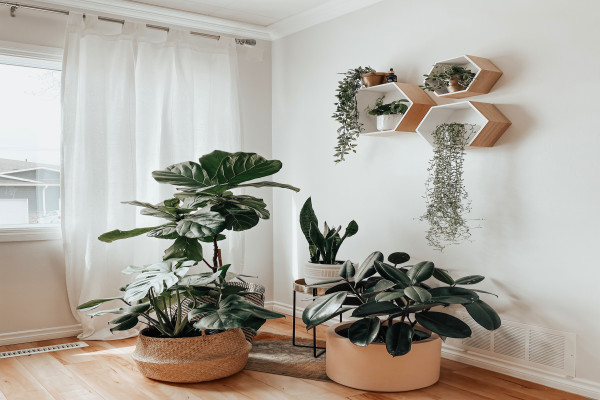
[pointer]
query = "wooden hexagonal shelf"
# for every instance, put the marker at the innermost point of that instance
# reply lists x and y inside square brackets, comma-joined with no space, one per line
[489,122]
[418,105]
[486,75]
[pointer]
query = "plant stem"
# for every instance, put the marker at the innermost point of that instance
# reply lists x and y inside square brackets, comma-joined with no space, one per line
[215,255]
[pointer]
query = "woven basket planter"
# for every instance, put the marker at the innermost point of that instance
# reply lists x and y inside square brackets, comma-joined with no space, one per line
[192,359]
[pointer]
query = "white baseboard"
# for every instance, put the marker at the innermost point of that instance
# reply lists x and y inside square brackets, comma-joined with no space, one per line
[582,387]
[35,335]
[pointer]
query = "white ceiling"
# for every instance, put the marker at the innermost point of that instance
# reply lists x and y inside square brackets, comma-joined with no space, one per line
[257,12]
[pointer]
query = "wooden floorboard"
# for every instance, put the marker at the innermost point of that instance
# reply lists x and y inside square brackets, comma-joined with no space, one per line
[106,371]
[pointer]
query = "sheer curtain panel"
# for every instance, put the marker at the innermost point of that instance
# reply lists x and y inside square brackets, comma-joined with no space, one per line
[135,100]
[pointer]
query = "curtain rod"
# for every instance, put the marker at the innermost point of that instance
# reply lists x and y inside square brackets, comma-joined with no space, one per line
[15,6]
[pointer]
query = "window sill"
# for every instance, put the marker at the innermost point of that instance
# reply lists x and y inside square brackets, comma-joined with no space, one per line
[28,233]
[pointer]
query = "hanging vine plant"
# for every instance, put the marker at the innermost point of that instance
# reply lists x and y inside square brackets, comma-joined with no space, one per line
[346,112]
[446,197]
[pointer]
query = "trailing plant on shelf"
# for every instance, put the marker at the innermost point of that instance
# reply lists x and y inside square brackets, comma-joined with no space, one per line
[446,197]
[448,77]
[395,107]
[346,112]
[200,212]
[402,299]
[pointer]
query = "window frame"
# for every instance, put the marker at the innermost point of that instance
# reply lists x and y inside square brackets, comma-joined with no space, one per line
[34,56]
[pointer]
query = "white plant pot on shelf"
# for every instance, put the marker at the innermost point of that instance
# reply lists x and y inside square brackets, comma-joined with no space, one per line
[388,122]
[315,272]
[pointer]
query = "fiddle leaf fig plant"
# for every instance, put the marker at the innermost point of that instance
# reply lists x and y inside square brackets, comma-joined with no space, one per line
[323,247]
[346,112]
[201,210]
[394,303]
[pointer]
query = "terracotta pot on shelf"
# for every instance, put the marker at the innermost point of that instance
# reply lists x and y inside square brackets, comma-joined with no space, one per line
[454,86]
[372,368]
[373,78]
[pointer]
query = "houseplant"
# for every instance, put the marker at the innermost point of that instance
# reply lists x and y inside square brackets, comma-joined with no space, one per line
[448,78]
[402,351]
[346,112]
[322,247]
[446,197]
[388,114]
[206,342]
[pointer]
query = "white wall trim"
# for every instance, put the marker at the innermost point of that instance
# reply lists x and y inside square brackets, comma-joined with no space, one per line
[325,12]
[30,55]
[160,16]
[578,386]
[35,335]
[30,232]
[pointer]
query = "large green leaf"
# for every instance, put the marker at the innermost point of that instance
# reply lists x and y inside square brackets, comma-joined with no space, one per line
[418,294]
[484,315]
[390,296]
[184,247]
[307,217]
[201,224]
[398,339]
[351,229]
[237,168]
[443,324]
[154,210]
[245,202]
[376,308]
[443,276]
[118,234]
[380,286]
[135,309]
[367,268]
[238,219]
[164,232]
[317,239]
[364,331]
[470,280]
[126,324]
[447,291]
[398,258]
[158,277]
[268,184]
[393,274]
[233,312]
[92,304]
[187,174]
[347,270]
[421,271]
[323,308]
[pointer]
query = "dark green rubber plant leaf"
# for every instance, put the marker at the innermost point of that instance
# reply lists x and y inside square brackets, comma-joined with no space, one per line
[380,286]
[443,276]
[347,270]
[484,315]
[421,272]
[367,268]
[364,331]
[398,339]
[443,324]
[376,308]
[392,274]
[390,296]
[470,280]
[418,294]
[323,308]
[450,291]
[398,258]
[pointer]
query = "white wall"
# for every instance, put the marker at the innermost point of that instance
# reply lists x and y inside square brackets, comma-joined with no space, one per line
[33,273]
[537,190]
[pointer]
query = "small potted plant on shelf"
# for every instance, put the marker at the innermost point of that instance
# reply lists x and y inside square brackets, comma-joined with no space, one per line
[395,345]
[388,114]
[323,247]
[448,78]
[193,318]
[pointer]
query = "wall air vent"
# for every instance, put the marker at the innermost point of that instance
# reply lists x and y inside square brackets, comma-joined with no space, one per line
[45,349]
[522,344]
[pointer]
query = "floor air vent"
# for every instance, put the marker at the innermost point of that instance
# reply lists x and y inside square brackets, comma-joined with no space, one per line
[523,344]
[45,349]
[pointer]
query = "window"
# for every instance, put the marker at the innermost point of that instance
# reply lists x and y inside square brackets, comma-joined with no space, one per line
[30,147]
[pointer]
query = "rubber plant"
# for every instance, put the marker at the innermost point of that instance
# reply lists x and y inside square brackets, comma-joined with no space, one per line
[395,303]
[346,112]
[447,200]
[201,210]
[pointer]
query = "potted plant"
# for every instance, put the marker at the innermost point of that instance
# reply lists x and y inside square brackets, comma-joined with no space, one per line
[346,112]
[322,247]
[446,197]
[373,78]
[205,342]
[389,114]
[395,345]
[448,78]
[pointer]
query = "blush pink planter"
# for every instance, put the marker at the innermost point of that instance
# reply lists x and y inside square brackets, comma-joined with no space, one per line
[372,368]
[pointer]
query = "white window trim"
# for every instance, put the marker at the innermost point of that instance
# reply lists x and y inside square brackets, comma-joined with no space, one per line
[29,55]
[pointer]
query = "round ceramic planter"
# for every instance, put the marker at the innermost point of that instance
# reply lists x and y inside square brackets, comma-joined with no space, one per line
[387,122]
[315,273]
[371,368]
[192,359]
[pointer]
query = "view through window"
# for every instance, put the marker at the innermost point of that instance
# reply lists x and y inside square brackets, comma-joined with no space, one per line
[30,150]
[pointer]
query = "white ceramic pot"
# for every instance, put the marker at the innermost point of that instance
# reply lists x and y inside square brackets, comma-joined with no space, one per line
[387,122]
[315,273]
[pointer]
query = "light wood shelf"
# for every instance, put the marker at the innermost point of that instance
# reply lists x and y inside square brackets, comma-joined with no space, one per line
[489,122]
[486,75]
[418,105]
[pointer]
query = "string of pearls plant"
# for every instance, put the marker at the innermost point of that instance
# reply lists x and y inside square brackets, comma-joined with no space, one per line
[446,197]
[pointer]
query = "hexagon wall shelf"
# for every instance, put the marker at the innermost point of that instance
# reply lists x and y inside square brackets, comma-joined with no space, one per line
[489,122]
[486,75]
[418,105]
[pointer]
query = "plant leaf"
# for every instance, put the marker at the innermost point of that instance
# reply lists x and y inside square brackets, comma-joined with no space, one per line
[398,258]
[398,339]
[390,296]
[364,331]
[367,268]
[392,274]
[421,272]
[470,280]
[118,234]
[443,324]
[92,304]
[376,308]
[202,224]
[307,217]
[442,276]
[323,309]
[484,315]
[347,270]
[417,294]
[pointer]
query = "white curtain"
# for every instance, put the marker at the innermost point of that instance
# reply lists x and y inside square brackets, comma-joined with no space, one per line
[134,101]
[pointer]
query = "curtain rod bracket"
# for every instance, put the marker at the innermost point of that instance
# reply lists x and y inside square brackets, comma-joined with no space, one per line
[13,10]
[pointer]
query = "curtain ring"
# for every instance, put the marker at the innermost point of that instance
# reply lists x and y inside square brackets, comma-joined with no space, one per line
[13,10]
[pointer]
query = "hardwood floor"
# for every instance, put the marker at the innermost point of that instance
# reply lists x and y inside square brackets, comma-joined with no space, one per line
[105,370]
